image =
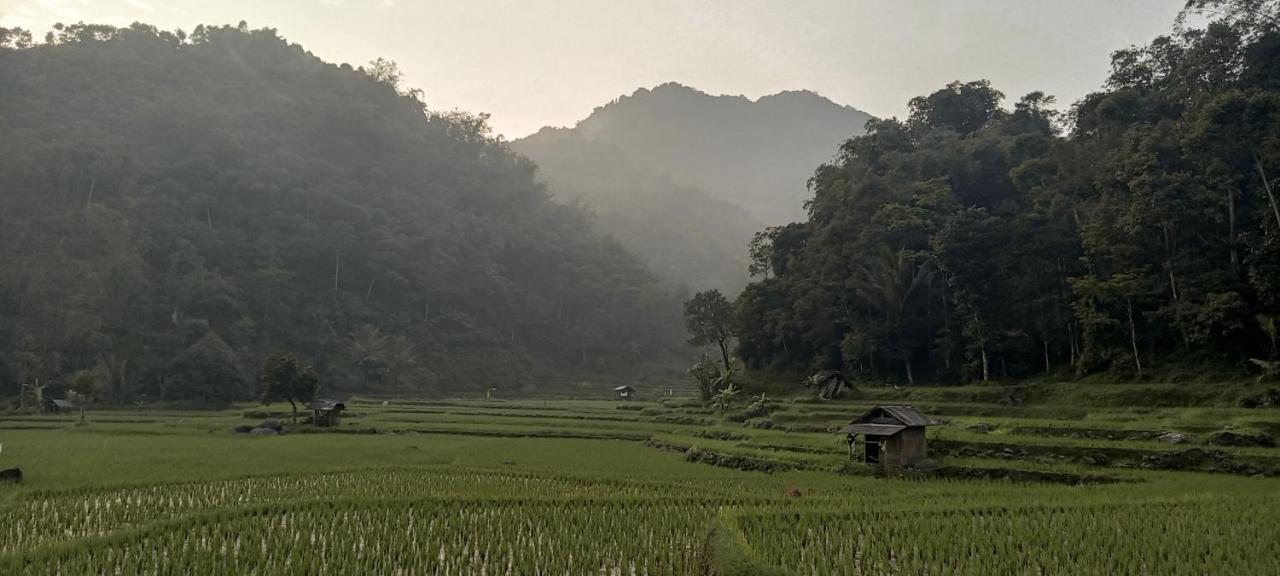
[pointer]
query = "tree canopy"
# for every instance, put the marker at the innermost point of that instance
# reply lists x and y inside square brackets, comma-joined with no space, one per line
[975,241]
[158,188]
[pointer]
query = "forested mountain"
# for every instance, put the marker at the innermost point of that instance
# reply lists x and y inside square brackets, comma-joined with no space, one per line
[976,242]
[756,154]
[174,208]
[684,233]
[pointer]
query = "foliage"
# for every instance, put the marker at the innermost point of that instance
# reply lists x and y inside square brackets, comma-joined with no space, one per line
[284,377]
[159,185]
[1270,369]
[208,371]
[709,319]
[976,242]
[723,400]
[707,378]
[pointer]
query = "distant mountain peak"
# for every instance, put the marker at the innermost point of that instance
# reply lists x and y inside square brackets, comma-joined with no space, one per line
[758,153]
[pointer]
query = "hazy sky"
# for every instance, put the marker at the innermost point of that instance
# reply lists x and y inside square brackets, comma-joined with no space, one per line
[532,63]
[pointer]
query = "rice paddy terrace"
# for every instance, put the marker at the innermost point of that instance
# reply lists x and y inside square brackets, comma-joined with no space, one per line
[1022,481]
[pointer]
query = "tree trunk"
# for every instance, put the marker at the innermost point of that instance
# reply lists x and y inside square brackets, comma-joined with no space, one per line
[295,411]
[906,359]
[1168,260]
[336,258]
[1266,185]
[982,345]
[1133,335]
[1231,226]
[1048,367]
[1071,338]
[724,352]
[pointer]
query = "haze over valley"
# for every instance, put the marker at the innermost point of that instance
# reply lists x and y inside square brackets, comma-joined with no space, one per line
[655,287]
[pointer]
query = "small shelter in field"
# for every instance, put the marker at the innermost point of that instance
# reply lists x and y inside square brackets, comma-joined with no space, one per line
[831,384]
[625,392]
[326,412]
[52,406]
[893,436]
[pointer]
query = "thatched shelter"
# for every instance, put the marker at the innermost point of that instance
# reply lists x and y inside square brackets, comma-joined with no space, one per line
[893,436]
[52,406]
[326,412]
[625,392]
[831,384]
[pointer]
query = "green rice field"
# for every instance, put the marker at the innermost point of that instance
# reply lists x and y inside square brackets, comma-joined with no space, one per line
[659,486]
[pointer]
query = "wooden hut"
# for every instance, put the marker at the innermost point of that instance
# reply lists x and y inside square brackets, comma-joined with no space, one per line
[52,406]
[326,412]
[625,392]
[893,436]
[831,384]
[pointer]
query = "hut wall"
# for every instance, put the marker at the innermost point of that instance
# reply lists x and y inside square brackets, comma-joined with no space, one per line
[909,448]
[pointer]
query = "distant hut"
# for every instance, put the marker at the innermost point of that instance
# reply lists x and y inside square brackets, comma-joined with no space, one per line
[831,384]
[326,412]
[52,406]
[625,392]
[893,436]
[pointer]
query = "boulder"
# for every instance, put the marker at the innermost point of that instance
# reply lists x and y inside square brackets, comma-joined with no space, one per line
[243,429]
[271,425]
[1172,437]
[264,431]
[1229,438]
[11,475]
[980,428]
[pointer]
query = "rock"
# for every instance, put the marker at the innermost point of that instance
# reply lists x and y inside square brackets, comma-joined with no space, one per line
[271,425]
[980,428]
[11,475]
[1172,437]
[242,429]
[264,432]
[1229,438]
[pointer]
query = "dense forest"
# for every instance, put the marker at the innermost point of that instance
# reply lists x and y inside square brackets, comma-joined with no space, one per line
[174,208]
[682,232]
[1139,233]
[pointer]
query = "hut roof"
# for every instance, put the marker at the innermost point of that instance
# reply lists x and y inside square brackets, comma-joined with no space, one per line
[873,429]
[326,405]
[62,404]
[894,415]
[624,388]
[825,375]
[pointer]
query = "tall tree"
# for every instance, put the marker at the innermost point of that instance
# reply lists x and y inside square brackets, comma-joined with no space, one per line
[284,377]
[709,319]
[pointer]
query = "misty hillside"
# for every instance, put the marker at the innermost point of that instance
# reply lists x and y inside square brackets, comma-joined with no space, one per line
[683,232]
[758,154]
[172,209]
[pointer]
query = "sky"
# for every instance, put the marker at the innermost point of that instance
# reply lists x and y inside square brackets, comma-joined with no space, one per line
[534,63]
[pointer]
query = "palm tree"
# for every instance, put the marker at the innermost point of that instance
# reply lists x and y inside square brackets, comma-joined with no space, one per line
[399,357]
[368,348]
[887,283]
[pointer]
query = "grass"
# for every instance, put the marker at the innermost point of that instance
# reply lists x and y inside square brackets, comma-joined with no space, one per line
[581,486]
